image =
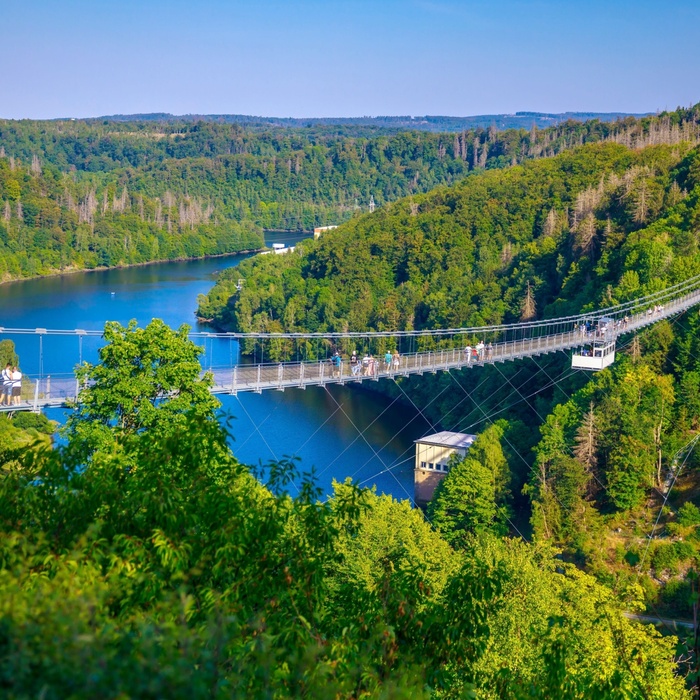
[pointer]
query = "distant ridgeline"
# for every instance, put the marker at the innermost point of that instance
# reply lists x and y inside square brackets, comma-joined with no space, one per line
[85,193]
[519,120]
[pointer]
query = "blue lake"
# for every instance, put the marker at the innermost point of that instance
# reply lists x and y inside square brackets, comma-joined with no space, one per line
[339,431]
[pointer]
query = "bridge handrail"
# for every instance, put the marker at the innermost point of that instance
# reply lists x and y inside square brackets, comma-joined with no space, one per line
[688,285]
[50,390]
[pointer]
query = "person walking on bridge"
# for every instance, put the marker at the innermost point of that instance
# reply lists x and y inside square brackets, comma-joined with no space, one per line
[6,387]
[372,367]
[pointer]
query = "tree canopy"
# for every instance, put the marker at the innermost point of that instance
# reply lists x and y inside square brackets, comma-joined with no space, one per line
[156,565]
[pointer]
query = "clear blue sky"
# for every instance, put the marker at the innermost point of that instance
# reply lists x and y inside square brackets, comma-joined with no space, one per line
[346,57]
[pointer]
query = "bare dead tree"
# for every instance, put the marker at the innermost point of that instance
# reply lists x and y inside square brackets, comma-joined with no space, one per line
[586,234]
[674,194]
[528,307]
[87,208]
[36,165]
[586,441]
[506,253]
[70,202]
[635,350]
[550,223]
[641,203]
[586,446]
[484,155]
[159,213]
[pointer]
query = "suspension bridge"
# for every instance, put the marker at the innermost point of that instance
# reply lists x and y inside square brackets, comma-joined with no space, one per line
[591,336]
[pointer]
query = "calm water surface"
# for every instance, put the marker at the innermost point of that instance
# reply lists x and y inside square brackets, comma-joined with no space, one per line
[340,432]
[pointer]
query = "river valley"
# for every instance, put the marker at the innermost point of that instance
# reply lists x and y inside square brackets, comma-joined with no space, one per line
[340,432]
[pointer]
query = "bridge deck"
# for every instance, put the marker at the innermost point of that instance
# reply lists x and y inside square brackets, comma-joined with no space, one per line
[60,390]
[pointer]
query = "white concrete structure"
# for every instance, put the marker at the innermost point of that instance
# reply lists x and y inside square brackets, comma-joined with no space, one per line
[433,454]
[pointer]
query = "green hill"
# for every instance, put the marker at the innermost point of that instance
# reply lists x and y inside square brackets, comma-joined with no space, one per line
[83,193]
[588,458]
[596,225]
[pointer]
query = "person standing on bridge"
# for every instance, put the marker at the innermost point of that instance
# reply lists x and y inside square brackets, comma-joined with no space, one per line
[468,353]
[6,387]
[354,364]
[396,359]
[16,386]
[337,364]
[387,360]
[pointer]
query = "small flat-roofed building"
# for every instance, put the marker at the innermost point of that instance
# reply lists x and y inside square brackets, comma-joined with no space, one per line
[320,229]
[433,453]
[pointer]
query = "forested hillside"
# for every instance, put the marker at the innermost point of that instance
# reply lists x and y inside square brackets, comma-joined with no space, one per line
[519,120]
[595,226]
[78,194]
[50,222]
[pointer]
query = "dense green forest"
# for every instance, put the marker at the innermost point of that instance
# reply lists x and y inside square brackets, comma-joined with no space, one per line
[50,223]
[594,226]
[86,193]
[138,559]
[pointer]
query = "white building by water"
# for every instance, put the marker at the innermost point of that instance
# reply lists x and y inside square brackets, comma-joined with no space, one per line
[433,454]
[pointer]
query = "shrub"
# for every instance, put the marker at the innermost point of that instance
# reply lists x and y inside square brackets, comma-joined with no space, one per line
[689,514]
[38,421]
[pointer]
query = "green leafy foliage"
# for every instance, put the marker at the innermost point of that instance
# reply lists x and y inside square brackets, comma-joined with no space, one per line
[142,560]
[468,499]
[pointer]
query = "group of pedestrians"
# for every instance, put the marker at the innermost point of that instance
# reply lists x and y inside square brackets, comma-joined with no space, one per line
[479,353]
[11,386]
[368,365]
